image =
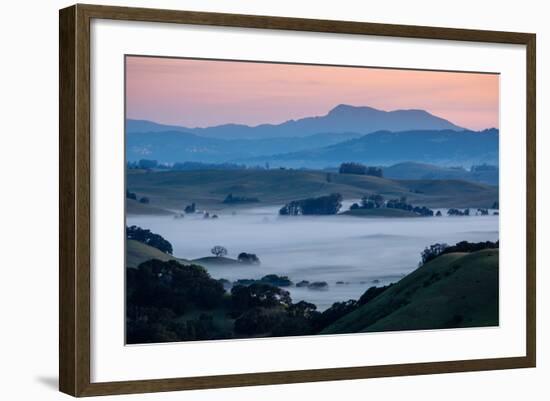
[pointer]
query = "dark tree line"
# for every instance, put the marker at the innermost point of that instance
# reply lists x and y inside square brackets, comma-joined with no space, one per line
[435,250]
[360,169]
[160,294]
[232,199]
[133,196]
[147,237]
[376,201]
[323,205]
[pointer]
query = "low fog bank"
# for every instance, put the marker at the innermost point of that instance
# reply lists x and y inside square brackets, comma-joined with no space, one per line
[358,252]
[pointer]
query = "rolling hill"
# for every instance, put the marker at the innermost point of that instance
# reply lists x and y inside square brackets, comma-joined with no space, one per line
[453,290]
[208,188]
[424,171]
[138,252]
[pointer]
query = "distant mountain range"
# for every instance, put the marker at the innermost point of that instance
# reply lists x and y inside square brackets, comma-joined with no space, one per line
[179,146]
[445,148]
[341,119]
[346,133]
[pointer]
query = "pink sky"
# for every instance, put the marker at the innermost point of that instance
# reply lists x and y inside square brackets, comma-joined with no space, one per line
[200,93]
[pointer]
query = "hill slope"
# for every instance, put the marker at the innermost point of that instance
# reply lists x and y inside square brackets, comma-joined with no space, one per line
[208,188]
[424,171]
[138,252]
[453,290]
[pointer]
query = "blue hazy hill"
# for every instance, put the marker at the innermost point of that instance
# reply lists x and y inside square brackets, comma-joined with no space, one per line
[179,146]
[341,119]
[445,148]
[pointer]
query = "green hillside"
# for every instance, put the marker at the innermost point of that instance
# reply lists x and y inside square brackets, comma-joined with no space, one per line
[208,188]
[208,261]
[138,252]
[453,290]
[135,207]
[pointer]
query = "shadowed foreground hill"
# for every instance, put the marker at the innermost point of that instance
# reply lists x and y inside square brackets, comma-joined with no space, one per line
[454,290]
[138,252]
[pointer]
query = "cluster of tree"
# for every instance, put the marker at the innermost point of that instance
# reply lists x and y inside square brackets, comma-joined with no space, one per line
[132,195]
[231,199]
[145,164]
[219,251]
[323,205]
[483,167]
[376,201]
[160,295]
[248,258]
[192,208]
[458,212]
[361,169]
[316,285]
[373,201]
[159,292]
[435,250]
[147,237]
[271,279]
[207,215]
[192,166]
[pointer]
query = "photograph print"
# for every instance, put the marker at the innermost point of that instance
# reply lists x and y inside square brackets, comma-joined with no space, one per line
[277,199]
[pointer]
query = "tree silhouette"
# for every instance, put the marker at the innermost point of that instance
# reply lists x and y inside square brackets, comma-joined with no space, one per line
[219,251]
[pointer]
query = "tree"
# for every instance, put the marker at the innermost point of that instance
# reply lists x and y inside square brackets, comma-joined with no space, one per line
[219,251]
[323,205]
[147,237]
[353,168]
[144,200]
[259,294]
[147,164]
[432,252]
[131,195]
[192,208]
[374,171]
[248,258]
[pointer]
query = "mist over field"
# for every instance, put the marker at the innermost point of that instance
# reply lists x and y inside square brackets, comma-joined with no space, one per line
[359,252]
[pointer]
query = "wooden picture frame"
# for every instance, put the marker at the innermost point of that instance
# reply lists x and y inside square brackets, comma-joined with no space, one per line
[75,207]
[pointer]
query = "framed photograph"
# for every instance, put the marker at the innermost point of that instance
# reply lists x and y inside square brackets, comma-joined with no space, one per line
[250,200]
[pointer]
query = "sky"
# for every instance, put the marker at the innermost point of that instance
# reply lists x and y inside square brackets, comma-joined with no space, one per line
[203,93]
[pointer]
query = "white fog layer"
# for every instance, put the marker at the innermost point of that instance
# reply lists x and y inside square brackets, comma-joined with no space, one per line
[357,252]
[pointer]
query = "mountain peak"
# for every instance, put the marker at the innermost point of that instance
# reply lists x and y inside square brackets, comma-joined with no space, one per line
[347,109]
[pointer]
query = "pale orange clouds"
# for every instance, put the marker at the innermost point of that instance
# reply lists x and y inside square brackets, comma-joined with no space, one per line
[206,93]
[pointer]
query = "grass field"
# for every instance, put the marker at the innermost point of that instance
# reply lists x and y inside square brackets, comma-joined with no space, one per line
[453,290]
[138,252]
[207,188]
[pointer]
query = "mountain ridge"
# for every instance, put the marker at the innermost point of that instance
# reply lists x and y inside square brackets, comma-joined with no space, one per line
[341,118]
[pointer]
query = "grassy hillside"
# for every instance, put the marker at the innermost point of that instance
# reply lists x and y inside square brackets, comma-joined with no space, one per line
[453,290]
[215,261]
[135,207]
[424,171]
[208,188]
[138,252]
